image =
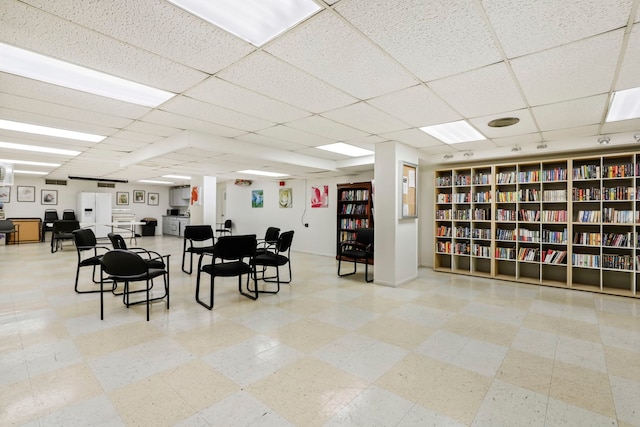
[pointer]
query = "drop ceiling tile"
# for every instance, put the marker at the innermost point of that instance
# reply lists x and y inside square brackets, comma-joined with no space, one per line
[33,89]
[294,135]
[190,107]
[366,118]
[173,33]
[268,141]
[362,70]
[184,122]
[480,92]
[524,126]
[129,145]
[512,140]
[135,137]
[571,114]
[327,128]
[555,23]
[367,142]
[577,70]
[33,29]
[569,133]
[416,105]
[412,137]
[143,127]
[322,154]
[281,81]
[629,75]
[228,95]
[487,144]
[433,39]
[68,123]
[632,125]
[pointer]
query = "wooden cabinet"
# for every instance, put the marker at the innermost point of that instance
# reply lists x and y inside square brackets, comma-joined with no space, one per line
[354,210]
[29,230]
[570,223]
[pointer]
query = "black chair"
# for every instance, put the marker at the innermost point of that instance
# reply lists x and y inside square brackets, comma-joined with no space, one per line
[358,250]
[62,230]
[154,259]
[88,255]
[226,228]
[69,214]
[236,257]
[269,241]
[123,266]
[50,215]
[195,233]
[277,259]
[7,227]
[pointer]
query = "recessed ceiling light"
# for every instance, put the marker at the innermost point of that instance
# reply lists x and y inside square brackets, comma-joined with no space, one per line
[47,131]
[454,132]
[503,122]
[32,65]
[256,21]
[30,172]
[150,181]
[263,173]
[346,149]
[176,176]
[12,146]
[30,163]
[625,105]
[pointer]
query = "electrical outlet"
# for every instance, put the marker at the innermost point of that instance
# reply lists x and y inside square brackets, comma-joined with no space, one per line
[306,224]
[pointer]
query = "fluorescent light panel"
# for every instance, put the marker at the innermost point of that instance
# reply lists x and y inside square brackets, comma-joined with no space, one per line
[454,132]
[263,173]
[38,149]
[346,149]
[30,163]
[150,181]
[625,105]
[30,172]
[32,65]
[44,130]
[176,176]
[256,21]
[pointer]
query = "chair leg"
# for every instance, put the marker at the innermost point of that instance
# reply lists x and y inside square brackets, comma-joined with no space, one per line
[190,262]
[340,266]
[366,271]
[255,284]
[198,300]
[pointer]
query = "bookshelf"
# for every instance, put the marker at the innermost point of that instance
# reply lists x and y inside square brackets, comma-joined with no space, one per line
[354,210]
[571,223]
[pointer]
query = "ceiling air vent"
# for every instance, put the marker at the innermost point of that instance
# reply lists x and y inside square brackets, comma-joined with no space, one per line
[106,185]
[55,181]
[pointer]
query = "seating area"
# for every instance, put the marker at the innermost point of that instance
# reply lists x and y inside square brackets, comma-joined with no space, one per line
[7,227]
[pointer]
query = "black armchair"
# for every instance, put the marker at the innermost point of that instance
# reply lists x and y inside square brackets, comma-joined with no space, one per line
[226,228]
[358,250]
[154,259]
[123,266]
[7,227]
[62,230]
[88,255]
[69,214]
[269,241]
[235,255]
[50,215]
[279,258]
[195,233]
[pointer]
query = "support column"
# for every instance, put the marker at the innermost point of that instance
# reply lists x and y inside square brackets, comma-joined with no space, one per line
[205,212]
[396,239]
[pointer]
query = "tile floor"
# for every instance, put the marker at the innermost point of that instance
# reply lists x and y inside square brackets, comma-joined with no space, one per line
[444,350]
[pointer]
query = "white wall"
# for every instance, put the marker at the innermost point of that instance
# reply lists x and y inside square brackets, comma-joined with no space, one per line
[319,238]
[426,215]
[67,198]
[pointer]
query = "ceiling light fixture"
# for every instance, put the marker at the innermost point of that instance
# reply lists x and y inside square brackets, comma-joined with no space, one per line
[541,146]
[625,105]
[263,173]
[30,163]
[637,137]
[454,132]
[151,181]
[604,140]
[468,154]
[516,149]
[48,131]
[176,176]
[38,149]
[32,65]
[30,172]
[346,149]
[256,21]
[503,122]
[448,156]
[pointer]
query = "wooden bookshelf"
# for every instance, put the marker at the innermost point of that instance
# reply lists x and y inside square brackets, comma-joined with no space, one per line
[570,223]
[354,210]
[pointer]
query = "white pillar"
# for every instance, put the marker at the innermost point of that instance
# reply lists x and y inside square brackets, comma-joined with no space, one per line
[205,211]
[396,239]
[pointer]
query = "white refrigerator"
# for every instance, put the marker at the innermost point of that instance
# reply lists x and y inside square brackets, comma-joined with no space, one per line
[94,211]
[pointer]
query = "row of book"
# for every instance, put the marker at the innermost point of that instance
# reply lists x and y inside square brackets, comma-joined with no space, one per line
[481,233]
[444,198]
[529,254]
[353,209]
[551,256]
[506,177]
[586,172]
[618,262]
[462,232]
[502,234]
[483,197]
[463,180]
[505,215]
[585,260]
[556,174]
[480,250]
[462,197]
[505,253]
[353,223]
[482,179]
[351,195]
[528,215]
[506,196]
[618,171]
[443,231]
[554,216]
[621,240]
[619,193]
[554,195]
[551,236]
[525,235]
[443,181]
[588,216]
[586,194]
[619,216]
[592,239]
